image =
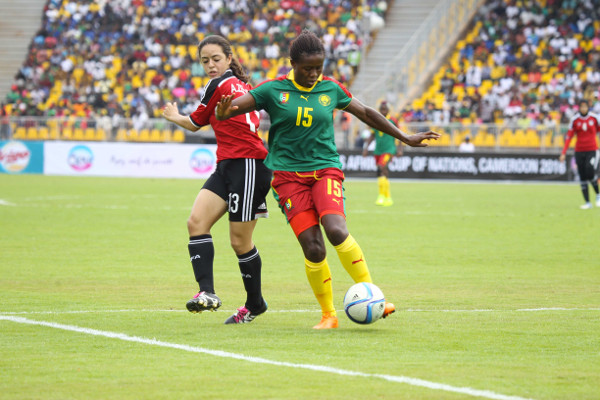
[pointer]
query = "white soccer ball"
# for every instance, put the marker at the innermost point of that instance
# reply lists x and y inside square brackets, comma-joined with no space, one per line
[364,303]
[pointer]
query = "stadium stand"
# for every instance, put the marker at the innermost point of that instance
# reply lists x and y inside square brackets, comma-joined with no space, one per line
[521,64]
[98,66]
[102,70]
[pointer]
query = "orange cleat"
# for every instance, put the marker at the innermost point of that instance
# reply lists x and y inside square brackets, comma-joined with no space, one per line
[389,309]
[328,321]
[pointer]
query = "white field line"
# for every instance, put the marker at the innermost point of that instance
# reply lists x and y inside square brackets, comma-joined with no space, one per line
[259,360]
[6,203]
[147,310]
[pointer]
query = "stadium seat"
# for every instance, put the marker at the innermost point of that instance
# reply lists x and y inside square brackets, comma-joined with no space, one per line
[144,135]
[178,136]
[66,133]
[78,134]
[90,134]
[100,134]
[43,133]
[32,133]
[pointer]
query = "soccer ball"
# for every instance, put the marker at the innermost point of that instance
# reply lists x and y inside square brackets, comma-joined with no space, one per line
[364,303]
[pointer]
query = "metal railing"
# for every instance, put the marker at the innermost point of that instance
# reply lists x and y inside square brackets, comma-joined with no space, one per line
[414,62]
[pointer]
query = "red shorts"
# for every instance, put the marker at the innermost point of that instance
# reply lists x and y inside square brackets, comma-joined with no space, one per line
[383,159]
[305,197]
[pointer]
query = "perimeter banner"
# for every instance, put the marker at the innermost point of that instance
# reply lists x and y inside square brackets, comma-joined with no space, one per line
[437,165]
[17,157]
[147,160]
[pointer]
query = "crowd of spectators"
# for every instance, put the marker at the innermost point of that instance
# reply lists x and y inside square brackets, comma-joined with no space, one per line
[126,58]
[523,63]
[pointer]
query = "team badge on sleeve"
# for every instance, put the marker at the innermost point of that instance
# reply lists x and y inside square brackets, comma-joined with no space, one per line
[284,97]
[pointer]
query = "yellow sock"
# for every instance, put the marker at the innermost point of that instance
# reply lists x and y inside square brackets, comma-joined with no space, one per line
[353,260]
[381,185]
[386,187]
[319,277]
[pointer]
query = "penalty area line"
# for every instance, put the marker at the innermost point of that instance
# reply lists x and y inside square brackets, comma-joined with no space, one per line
[259,360]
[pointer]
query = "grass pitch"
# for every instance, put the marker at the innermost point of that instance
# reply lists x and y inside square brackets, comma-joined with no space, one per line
[497,289]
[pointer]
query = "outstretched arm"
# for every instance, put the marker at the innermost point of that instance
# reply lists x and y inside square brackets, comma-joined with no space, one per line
[376,120]
[171,113]
[229,107]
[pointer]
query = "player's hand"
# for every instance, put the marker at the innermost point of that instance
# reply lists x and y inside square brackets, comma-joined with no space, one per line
[562,158]
[417,139]
[365,152]
[224,108]
[170,111]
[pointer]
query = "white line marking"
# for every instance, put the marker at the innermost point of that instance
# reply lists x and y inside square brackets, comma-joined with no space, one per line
[6,203]
[259,360]
[221,310]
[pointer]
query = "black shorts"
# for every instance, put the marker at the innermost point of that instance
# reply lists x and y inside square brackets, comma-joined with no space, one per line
[587,165]
[244,184]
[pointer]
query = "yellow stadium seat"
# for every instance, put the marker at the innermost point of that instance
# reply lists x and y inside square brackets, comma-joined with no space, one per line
[506,137]
[121,135]
[66,133]
[532,138]
[156,135]
[144,135]
[166,135]
[132,135]
[89,134]
[519,137]
[100,134]
[32,133]
[178,136]
[43,133]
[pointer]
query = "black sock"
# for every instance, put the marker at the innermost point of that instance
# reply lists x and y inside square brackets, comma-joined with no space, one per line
[585,191]
[202,254]
[250,267]
[594,185]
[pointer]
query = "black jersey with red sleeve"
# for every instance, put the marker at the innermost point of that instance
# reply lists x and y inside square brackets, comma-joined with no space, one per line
[237,137]
[586,127]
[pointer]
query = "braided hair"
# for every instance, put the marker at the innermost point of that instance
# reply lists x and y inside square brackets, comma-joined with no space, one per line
[235,65]
[307,43]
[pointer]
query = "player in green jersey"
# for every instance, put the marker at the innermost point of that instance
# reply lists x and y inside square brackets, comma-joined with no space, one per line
[385,149]
[307,177]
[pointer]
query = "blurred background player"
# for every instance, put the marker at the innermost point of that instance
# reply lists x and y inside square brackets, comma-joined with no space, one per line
[385,149]
[307,175]
[586,126]
[239,184]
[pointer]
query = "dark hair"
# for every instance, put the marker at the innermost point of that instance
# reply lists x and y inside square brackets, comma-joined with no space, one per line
[235,66]
[307,43]
[583,101]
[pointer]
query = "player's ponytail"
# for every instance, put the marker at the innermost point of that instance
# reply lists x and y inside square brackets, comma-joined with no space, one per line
[235,65]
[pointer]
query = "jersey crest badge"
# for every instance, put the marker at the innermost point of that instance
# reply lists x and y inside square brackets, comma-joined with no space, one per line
[324,100]
[288,204]
[284,97]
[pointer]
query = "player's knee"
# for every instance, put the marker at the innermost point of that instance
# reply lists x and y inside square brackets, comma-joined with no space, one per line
[314,252]
[240,245]
[313,247]
[336,234]
[196,226]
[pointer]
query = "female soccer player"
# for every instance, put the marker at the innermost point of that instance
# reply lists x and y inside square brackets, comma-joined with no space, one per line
[586,126]
[239,184]
[385,149]
[307,177]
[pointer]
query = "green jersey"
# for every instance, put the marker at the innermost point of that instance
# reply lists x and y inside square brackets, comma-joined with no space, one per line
[301,137]
[384,143]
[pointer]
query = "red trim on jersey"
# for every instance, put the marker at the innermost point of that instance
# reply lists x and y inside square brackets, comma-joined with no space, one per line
[237,137]
[586,128]
[326,78]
